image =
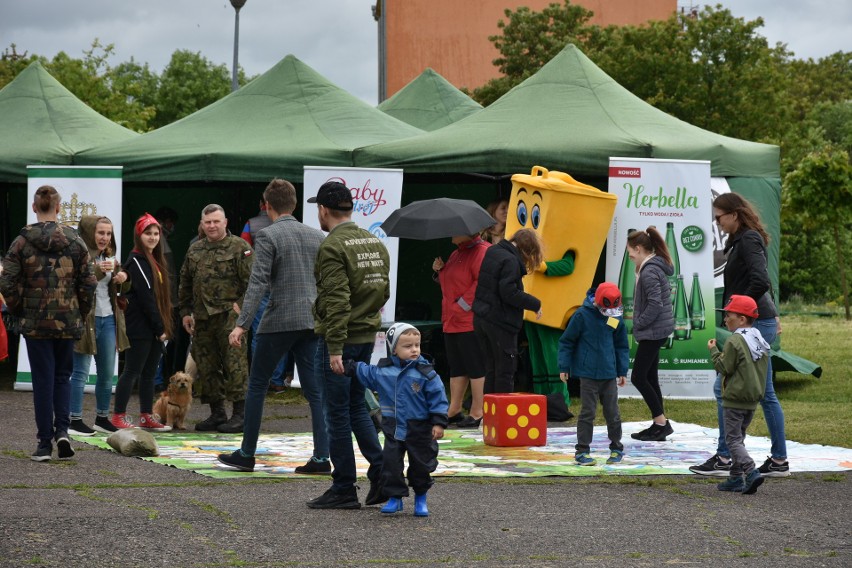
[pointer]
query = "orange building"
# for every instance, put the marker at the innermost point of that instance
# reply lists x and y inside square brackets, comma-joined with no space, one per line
[451,36]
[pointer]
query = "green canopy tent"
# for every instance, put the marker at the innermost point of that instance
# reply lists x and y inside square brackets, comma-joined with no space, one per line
[571,116]
[287,118]
[429,102]
[42,123]
[226,153]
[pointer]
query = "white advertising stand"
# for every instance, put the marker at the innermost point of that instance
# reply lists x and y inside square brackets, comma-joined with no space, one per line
[375,195]
[85,190]
[675,197]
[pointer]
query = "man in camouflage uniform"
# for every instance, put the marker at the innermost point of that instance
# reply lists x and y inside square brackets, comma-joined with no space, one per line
[213,280]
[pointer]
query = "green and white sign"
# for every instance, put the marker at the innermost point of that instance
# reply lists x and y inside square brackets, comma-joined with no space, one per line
[85,190]
[673,196]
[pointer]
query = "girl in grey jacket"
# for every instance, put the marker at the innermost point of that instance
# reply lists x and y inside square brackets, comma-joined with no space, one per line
[653,322]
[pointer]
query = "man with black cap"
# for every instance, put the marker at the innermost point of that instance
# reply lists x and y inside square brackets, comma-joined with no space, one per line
[352,286]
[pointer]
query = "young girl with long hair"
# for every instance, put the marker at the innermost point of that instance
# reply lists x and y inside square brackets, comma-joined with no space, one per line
[499,305]
[653,322]
[104,332]
[149,324]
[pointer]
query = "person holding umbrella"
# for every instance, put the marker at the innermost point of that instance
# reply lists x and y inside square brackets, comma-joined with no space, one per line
[458,278]
[500,302]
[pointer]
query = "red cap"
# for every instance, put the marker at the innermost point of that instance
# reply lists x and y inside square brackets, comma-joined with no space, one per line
[744,305]
[607,296]
[144,222]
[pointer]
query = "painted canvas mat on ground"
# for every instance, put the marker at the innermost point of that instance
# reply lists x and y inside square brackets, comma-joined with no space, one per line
[464,454]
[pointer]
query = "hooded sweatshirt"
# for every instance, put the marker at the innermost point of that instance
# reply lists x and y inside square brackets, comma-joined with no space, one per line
[48,282]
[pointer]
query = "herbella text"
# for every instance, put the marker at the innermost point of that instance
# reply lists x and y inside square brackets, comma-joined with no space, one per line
[638,198]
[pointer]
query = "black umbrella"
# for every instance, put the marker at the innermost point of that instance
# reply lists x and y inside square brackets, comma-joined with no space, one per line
[437,218]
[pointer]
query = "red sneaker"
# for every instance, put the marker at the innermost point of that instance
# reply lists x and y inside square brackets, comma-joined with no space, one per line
[120,421]
[147,422]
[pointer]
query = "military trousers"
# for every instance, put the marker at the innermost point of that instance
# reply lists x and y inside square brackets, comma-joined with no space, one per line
[222,369]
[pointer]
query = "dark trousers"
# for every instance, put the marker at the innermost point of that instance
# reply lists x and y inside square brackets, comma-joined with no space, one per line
[500,348]
[51,363]
[592,390]
[345,415]
[140,364]
[422,453]
[645,375]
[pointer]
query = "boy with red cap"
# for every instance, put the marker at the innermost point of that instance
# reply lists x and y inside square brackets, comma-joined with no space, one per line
[595,350]
[742,363]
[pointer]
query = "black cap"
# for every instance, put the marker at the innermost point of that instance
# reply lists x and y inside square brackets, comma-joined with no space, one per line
[334,195]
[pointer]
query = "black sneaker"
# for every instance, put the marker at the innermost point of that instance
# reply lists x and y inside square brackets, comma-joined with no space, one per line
[657,432]
[376,494]
[79,428]
[772,469]
[43,451]
[752,481]
[331,499]
[638,435]
[714,467]
[103,424]
[63,446]
[315,467]
[237,461]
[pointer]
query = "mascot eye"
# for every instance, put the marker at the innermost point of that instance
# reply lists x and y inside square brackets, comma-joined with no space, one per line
[522,213]
[536,216]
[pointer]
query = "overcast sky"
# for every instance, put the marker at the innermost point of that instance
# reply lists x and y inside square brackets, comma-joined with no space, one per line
[335,37]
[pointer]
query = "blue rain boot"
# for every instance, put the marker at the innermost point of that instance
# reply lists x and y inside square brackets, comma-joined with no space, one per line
[394,505]
[420,508]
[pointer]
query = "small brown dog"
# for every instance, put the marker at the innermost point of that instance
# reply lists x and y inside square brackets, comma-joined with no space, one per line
[174,402]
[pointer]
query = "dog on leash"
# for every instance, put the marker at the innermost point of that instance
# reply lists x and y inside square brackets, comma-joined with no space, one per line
[174,402]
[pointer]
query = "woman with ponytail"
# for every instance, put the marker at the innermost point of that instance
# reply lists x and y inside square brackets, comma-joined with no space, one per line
[148,321]
[653,322]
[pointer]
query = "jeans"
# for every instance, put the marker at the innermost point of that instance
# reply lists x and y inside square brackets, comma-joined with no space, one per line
[51,362]
[346,414]
[278,372]
[271,347]
[104,364]
[772,411]
[140,362]
[736,422]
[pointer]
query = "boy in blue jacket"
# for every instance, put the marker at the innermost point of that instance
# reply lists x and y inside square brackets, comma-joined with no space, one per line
[414,414]
[595,350]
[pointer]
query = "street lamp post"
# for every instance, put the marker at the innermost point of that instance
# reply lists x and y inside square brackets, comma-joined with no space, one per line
[237,4]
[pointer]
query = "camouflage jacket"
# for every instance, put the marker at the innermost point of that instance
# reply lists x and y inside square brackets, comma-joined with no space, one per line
[214,276]
[48,281]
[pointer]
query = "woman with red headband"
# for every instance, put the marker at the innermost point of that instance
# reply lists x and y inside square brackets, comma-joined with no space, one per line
[149,324]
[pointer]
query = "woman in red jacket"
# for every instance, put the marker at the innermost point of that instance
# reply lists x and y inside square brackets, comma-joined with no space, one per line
[458,278]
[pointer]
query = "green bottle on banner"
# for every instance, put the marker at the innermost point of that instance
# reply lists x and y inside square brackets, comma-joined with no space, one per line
[671,244]
[682,328]
[696,304]
[627,285]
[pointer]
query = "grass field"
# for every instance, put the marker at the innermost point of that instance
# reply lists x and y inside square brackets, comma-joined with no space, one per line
[817,411]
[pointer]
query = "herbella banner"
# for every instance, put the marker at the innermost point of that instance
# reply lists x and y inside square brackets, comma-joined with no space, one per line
[375,195]
[85,190]
[673,196]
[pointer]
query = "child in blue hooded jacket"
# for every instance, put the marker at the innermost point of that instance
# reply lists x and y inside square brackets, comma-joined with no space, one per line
[595,350]
[414,414]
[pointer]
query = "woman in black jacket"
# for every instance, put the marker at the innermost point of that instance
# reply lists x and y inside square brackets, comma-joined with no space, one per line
[499,305]
[149,324]
[746,274]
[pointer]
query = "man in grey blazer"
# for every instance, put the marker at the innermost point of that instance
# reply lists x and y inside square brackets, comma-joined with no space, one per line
[285,253]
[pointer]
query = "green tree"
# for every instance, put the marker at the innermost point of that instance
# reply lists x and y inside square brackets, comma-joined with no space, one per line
[12,63]
[190,82]
[529,40]
[820,189]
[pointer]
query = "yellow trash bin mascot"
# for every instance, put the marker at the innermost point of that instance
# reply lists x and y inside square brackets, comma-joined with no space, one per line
[572,219]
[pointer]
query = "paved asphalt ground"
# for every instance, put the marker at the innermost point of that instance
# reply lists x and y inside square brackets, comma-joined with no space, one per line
[102,509]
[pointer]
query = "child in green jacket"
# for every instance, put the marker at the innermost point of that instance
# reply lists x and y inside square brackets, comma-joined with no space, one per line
[742,364]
